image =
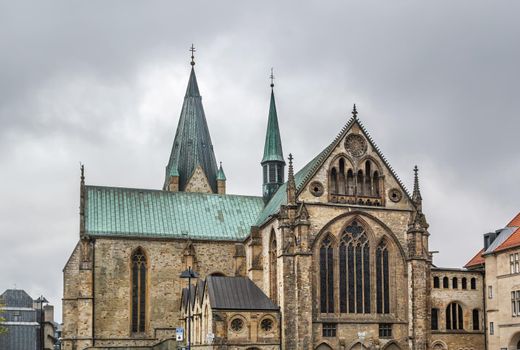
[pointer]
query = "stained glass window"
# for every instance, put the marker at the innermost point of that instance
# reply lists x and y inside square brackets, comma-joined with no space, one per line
[382,279]
[327,276]
[138,291]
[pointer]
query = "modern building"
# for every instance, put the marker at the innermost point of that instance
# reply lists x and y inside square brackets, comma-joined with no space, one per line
[500,260]
[24,318]
[332,256]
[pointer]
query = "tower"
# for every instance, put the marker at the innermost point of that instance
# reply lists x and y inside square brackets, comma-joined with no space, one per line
[192,166]
[273,164]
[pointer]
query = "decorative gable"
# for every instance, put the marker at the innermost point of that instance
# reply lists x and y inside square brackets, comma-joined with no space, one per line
[198,182]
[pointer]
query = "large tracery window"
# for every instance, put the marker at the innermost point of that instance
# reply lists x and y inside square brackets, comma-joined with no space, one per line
[354,270]
[327,276]
[138,291]
[382,279]
[454,317]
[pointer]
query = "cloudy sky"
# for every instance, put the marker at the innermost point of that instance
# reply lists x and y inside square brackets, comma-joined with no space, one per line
[436,83]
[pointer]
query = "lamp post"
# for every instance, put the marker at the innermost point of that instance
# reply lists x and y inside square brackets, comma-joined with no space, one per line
[189,274]
[40,301]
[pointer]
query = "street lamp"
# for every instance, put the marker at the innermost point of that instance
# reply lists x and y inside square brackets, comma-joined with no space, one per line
[189,274]
[40,301]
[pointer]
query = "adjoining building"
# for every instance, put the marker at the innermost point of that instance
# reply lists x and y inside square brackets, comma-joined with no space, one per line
[23,319]
[334,257]
[500,260]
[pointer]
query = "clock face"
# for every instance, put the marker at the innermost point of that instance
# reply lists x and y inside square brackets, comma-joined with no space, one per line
[356,145]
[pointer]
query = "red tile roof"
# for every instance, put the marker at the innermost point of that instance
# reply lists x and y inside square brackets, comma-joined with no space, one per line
[477,260]
[515,222]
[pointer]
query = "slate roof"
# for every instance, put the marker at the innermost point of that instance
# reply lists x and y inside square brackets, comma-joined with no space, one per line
[115,211]
[273,143]
[192,145]
[236,293]
[16,298]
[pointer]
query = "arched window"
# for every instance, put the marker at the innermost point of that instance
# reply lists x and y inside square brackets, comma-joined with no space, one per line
[454,283]
[354,269]
[359,182]
[327,276]
[464,283]
[436,282]
[445,282]
[518,345]
[375,181]
[368,179]
[273,268]
[473,283]
[454,317]
[138,291]
[476,320]
[435,319]
[382,279]
[341,176]
[334,181]
[350,182]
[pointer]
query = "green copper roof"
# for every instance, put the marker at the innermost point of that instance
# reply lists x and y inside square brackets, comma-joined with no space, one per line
[192,144]
[113,211]
[273,142]
[220,174]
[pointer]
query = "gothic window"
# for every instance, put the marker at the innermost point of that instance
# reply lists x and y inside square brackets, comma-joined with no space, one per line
[273,268]
[354,265]
[327,276]
[435,319]
[359,182]
[138,291]
[350,182]
[473,283]
[375,181]
[272,173]
[454,317]
[436,282]
[464,283]
[341,177]
[334,181]
[279,173]
[368,179]
[455,283]
[445,282]
[265,174]
[382,279]
[476,320]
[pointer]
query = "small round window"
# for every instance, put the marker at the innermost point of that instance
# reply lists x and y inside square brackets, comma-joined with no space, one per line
[316,188]
[237,324]
[395,195]
[266,325]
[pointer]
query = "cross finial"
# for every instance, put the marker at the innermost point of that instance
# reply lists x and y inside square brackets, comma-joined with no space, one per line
[272,78]
[192,50]
[354,111]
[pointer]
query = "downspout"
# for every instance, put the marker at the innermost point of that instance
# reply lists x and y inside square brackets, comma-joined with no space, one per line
[93,291]
[484,308]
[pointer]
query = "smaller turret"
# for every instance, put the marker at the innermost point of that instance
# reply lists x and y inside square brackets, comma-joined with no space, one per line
[273,163]
[221,180]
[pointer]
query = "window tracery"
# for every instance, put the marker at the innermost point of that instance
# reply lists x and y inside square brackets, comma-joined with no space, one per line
[273,268]
[382,279]
[454,317]
[327,276]
[138,291]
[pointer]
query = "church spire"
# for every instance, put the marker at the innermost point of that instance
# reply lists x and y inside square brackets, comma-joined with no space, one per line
[291,184]
[273,163]
[192,151]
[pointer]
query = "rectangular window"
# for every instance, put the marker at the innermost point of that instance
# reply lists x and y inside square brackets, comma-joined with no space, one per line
[490,292]
[491,328]
[513,304]
[518,302]
[329,329]
[385,330]
[517,263]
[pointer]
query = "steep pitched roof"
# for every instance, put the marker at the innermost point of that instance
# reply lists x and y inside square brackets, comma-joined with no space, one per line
[114,211]
[236,293]
[307,172]
[16,298]
[192,145]
[477,260]
[273,143]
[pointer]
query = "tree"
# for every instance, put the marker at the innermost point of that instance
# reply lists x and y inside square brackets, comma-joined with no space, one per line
[2,328]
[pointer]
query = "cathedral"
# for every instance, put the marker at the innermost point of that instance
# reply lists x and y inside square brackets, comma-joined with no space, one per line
[332,256]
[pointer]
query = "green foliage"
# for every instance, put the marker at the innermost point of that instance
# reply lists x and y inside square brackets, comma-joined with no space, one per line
[2,329]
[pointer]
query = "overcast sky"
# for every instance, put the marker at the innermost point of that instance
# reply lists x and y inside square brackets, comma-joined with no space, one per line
[102,82]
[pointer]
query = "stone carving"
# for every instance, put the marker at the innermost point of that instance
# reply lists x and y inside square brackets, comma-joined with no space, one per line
[356,145]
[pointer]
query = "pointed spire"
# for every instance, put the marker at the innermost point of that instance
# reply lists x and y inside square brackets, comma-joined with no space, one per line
[273,143]
[220,174]
[354,112]
[82,177]
[291,184]
[192,146]
[416,197]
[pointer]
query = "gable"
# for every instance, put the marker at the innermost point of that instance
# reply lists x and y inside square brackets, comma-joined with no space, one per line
[354,172]
[198,182]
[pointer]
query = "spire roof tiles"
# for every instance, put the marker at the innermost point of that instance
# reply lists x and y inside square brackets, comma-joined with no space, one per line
[273,143]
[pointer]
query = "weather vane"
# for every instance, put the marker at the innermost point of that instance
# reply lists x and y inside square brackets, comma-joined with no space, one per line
[192,49]
[272,78]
